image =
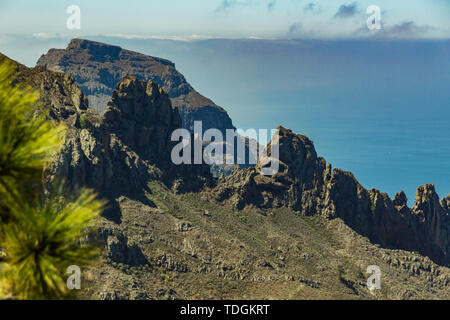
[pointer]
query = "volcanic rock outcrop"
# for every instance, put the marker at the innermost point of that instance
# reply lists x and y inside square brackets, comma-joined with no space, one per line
[59,92]
[120,152]
[160,244]
[307,184]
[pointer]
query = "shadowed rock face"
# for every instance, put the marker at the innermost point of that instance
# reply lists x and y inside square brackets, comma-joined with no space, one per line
[115,155]
[59,92]
[120,152]
[98,68]
[307,184]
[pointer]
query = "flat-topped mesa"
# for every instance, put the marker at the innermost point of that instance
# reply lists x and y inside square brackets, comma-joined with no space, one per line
[99,67]
[100,52]
[308,184]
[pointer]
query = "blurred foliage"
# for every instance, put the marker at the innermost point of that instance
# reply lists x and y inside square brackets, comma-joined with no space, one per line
[40,236]
[84,122]
[27,140]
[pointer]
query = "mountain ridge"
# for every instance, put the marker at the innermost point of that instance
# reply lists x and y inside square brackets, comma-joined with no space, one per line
[103,66]
[176,233]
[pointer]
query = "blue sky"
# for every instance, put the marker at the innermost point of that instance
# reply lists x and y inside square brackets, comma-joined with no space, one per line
[320,19]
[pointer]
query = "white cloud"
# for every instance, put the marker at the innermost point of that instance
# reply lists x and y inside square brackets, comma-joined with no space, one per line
[44,35]
[193,37]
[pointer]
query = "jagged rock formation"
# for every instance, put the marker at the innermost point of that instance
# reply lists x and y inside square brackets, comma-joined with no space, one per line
[305,183]
[98,68]
[162,244]
[120,152]
[59,91]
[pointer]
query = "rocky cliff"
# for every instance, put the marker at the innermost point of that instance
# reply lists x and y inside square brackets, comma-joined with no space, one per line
[308,185]
[98,68]
[174,232]
[119,152]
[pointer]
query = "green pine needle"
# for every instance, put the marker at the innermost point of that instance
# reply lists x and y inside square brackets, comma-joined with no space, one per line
[39,239]
[27,140]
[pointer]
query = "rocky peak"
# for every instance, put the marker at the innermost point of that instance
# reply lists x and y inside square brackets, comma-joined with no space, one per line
[310,186]
[400,199]
[141,115]
[59,92]
[99,67]
[433,216]
[427,201]
[141,101]
[120,152]
[297,155]
[300,172]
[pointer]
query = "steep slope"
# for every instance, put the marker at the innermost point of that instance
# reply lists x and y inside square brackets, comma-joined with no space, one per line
[117,153]
[305,183]
[98,68]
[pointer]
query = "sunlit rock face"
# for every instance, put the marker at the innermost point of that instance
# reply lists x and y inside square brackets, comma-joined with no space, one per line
[308,185]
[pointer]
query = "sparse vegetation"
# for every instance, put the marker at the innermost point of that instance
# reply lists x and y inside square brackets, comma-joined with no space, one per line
[40,236]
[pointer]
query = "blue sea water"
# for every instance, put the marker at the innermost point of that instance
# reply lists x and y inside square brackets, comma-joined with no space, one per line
[377,108]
